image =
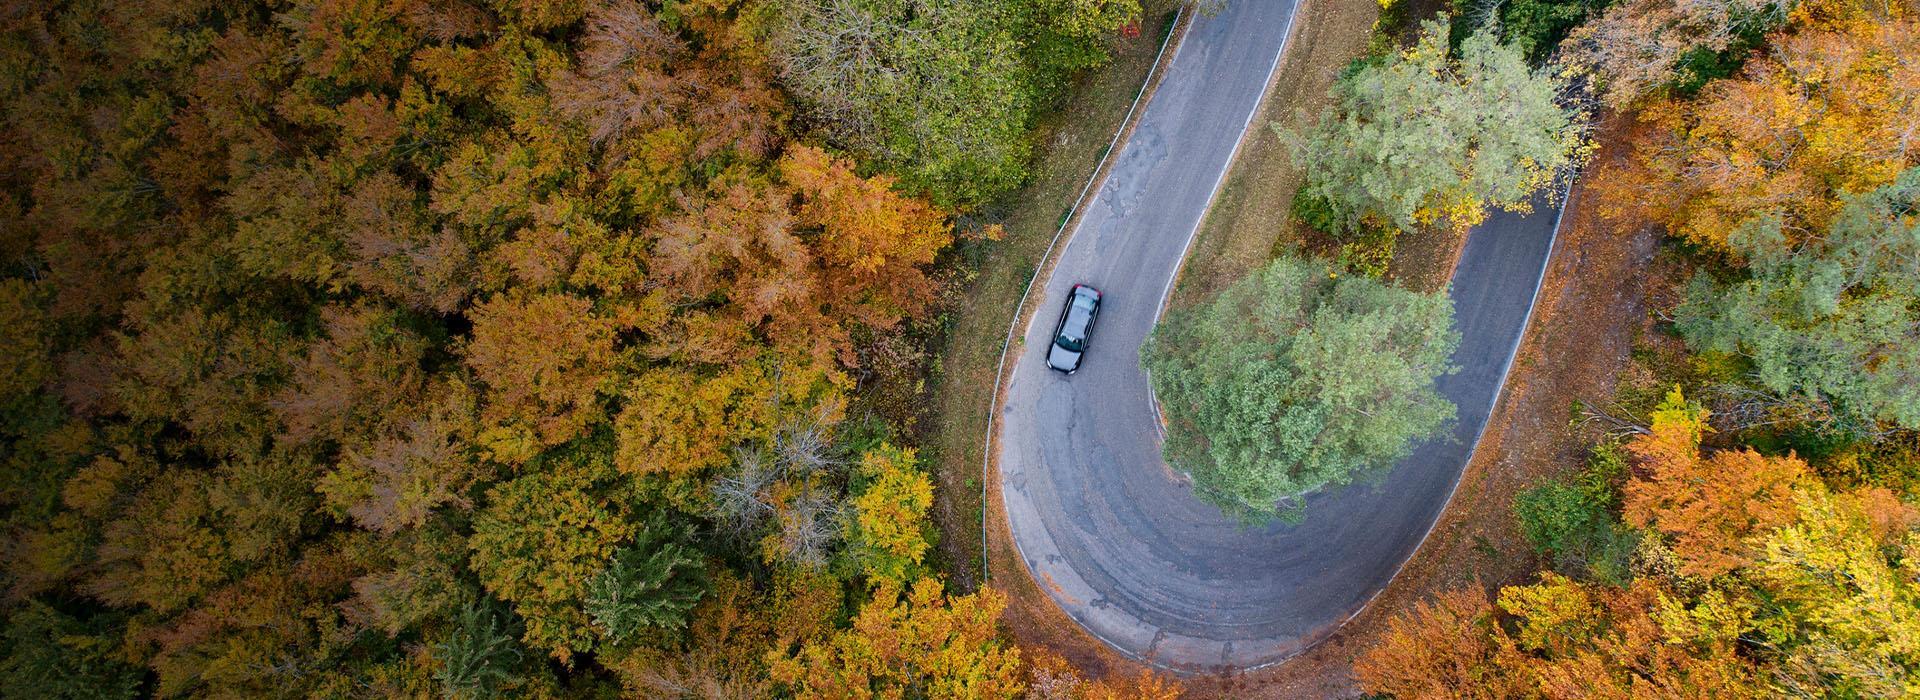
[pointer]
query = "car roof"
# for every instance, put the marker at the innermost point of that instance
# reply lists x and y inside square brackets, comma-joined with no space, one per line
[1077,318]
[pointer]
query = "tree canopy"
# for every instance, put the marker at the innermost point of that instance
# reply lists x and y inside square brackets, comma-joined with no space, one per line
[1293,379]
[1829,111]
[940,93]
[1832,319]
[1783,587]
[1427,135]
[473,349]
[1765,548]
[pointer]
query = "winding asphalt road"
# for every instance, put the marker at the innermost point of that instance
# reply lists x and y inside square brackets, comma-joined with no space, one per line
[1118,541]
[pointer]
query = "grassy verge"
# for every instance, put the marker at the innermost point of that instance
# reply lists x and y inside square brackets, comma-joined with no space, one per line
[1590,339]
[1251,221]
[1326,36]
[1072,143]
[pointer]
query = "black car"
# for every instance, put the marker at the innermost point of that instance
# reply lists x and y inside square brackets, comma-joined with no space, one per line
[1076,327]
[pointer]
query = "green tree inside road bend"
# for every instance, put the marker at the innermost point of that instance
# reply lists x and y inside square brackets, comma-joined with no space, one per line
[1294,379]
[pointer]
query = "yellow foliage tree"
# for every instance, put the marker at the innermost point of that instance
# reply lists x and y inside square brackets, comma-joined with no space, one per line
[1568,640]
[889,529]
[680,421]
[1848,575]
[927,645]
[1826,113]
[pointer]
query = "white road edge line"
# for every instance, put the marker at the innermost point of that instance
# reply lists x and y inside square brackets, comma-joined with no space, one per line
[1212,196]
[1286,37]
[1526,323]
[1040,269]
[1166,292]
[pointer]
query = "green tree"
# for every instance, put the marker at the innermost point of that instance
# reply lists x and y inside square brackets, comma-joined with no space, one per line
[478,656]
[1535,27]
[935,91]
[1836,319]
[1427,135]
[51,656]
[1294,378]
[652,583]
[539,541]
[1572,520]
[23,342]
[942,93]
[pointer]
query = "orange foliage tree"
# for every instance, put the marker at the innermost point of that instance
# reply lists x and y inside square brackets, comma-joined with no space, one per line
[1823,113]
[1710,505]
[1556,639]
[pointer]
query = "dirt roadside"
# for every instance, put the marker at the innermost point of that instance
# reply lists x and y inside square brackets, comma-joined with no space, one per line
[1250,220]
[1327,35]
[1072,142]
[1598,273]
[1591,308]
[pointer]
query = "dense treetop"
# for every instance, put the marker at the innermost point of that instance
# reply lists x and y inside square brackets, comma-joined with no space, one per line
[1771,548]
[463,347]
[1831,320]
[1430,134]
[1294,378]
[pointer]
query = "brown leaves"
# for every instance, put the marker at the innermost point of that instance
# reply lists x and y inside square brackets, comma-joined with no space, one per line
[1637,47]
[544,358]
[420,459]
[637,76]
[1711,506]
[1554,639]
[1447,648]
[801,260]
[1052,677]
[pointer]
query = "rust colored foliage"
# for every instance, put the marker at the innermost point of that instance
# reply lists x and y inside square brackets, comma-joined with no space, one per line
[346,342]
[1052,677]
[1554,639]
[544,359]
[1827,110]
[1711,505]
[1449,647]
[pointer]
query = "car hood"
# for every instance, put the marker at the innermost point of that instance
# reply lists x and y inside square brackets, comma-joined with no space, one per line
[1061,358]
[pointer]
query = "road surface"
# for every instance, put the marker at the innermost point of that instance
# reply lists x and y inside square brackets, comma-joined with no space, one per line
[1102,524]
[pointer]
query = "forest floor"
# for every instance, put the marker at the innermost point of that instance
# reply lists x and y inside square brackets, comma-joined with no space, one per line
[1591,312]
[1071,143]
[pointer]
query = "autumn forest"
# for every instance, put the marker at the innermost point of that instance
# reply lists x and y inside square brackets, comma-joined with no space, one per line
[581,348]
[362,348]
